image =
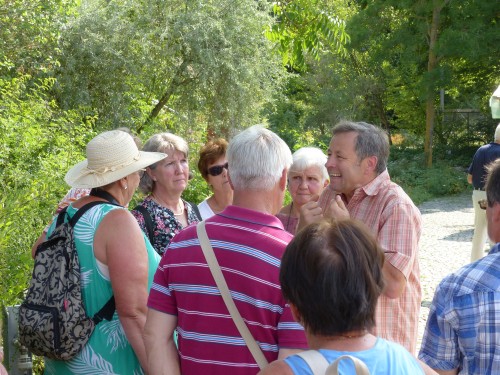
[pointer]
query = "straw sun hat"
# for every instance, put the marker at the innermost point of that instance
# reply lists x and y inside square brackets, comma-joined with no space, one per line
[110,156]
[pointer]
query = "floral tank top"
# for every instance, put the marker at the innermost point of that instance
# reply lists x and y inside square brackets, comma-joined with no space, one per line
[108,350]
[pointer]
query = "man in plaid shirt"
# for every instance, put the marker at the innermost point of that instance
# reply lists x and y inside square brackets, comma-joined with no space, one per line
[360,188]
[463,330]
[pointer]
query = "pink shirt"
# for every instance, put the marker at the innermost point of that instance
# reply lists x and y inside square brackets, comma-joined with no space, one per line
[249,246]
[396,222]
[289,222]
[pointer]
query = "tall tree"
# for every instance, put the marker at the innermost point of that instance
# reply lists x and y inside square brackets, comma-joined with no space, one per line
[182,62]
[428,43]
[308,28]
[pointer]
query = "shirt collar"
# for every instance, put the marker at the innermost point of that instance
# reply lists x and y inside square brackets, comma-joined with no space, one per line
[374,186]
[251,216]
[495,249]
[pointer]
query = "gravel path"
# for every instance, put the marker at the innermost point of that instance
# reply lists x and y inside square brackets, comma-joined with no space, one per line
[445,245]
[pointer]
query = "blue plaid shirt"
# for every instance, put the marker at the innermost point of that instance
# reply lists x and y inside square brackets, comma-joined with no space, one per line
[463,328]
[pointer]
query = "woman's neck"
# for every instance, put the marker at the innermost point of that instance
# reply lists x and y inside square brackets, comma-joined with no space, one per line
[291,210]
[220,200]
[173,203]
[348,341]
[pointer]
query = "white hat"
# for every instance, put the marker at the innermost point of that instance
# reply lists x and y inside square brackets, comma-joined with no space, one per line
[110,156]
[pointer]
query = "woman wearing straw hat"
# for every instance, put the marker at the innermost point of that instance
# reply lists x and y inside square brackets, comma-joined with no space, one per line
[163,213]
[115,259]
[74,194]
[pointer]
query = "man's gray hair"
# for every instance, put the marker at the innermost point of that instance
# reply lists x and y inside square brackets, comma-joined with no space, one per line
[371,141]
[161,142]
[257,158]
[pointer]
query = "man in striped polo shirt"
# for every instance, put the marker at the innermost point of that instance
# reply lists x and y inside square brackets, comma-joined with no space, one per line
[248,241]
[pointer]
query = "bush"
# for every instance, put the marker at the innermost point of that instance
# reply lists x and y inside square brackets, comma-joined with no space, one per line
[447,176]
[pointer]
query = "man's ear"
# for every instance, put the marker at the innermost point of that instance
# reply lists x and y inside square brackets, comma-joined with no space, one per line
[371,163]
[495,213]
[295,313]
[283,179]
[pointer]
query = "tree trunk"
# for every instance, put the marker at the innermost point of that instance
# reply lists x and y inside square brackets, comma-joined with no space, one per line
[174,83]
[432,64]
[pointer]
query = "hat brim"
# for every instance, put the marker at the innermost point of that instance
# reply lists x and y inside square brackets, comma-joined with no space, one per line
[79,175]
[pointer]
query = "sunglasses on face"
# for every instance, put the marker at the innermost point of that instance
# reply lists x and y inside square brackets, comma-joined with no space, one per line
[217,169]
[483,203]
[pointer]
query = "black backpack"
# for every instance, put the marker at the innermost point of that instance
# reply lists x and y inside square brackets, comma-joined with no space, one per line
[52,319]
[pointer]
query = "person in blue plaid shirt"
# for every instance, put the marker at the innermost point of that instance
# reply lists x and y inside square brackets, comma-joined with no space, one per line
[462,335]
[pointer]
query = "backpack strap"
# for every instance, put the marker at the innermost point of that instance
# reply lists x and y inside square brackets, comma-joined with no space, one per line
[79,213]
[315,360]
[148,221]
[319,365]
[359,366]
[60,216]
[108,310]
[196,210]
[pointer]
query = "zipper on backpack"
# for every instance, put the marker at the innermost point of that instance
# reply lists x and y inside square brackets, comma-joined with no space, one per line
[55,318]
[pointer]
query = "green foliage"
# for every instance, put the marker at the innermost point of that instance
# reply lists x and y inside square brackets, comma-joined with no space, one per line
[306,27]
[38,145]
[150,64]
[446,177]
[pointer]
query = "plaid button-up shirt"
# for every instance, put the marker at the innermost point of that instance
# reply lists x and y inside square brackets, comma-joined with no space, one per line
[463,329]
[396,222]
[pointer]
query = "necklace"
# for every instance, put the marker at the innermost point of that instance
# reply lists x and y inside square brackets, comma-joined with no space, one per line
[345,336]
[288,217]
[162,203]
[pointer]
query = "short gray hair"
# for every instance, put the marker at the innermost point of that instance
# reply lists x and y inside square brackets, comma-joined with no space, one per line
[161,142]
[257,158]
[371,141]
[307,157]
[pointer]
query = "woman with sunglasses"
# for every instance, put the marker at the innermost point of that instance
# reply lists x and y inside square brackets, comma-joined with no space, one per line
[213,168]
[163,213]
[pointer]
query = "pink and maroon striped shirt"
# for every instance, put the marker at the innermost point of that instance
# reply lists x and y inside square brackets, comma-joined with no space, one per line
[249,246]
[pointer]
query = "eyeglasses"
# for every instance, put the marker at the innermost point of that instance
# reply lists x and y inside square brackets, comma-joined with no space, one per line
[483,203]
[217,169]
[141,172]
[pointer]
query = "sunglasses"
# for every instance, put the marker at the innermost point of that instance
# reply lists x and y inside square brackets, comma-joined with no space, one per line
[483,203]
[217,169]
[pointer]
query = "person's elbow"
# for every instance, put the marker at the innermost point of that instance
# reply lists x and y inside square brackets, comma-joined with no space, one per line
[395,282]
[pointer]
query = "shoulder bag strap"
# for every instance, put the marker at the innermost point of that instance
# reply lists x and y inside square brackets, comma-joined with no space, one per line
[359,366]
[208,251]
[315,360]
[148,221]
